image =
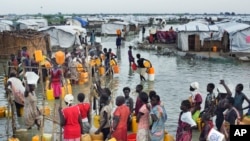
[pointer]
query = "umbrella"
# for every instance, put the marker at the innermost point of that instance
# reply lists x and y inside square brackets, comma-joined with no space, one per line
[32,77]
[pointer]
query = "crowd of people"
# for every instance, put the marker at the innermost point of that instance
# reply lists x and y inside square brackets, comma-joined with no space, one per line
[148,108]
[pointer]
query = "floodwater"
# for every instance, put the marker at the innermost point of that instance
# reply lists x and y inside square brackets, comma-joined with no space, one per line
[173,76]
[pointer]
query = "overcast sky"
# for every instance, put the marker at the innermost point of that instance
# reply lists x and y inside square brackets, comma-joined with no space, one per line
[123,6]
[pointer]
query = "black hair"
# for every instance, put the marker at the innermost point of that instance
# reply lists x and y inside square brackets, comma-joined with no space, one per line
[230,100]
[152,94]
[211,85]
[139,86]
[240,86]
[138,55]
[81,97]
[126,88]
[107,91]
[105,49]
[143,97]
[120,99]
[157,97]
[130,47]
[186,103]
[110,49]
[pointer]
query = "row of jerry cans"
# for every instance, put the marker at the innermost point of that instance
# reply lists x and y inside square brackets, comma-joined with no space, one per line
[66,89]
[45,137]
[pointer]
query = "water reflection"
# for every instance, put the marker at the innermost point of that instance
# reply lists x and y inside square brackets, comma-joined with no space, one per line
[173,76]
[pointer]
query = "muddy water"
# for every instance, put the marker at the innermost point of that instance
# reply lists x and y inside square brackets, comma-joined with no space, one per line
[172,78]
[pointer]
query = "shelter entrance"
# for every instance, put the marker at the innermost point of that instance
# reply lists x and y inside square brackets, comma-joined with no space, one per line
[194,42]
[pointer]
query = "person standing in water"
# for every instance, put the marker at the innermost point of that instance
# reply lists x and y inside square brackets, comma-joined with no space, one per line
[140,67]
[131,59]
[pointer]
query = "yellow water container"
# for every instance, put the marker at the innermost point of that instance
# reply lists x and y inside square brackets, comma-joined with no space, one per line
[96,121]
[63,92]
[95,137]
[86,137]
[214,48]
[98,61]
[80,82]
[8,113]
[79,67]
[151,70]
[92,62]
[147,64]
[47,137]
[68,89]
[45,111]
[60,57]
[112,62]
[21,111]
[112,139]
[50,94]
[13,139]
[38,55]
[116,69]
[2,111]
[199,123]
[134,125]
[85,77]
[168,137]
[101,70]
[47,65]
[35,138]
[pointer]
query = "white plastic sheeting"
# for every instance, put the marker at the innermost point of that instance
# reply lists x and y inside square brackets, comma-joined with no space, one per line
[195,28]
[64,36]
[239,34]
[110,28]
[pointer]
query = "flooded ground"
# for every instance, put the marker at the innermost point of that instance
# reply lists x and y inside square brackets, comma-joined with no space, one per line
[173,76]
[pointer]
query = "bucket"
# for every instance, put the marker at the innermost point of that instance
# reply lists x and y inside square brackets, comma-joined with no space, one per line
[168,137]
[50,94]
[35,138]
[38,55]
[214,48]
[13,139]
[85,137]
[116,69]
[151,77]
[60,57]
[2,111]
[101,70]
[131,137]
[47,137]
[134,124]
[96,121]
[97,136]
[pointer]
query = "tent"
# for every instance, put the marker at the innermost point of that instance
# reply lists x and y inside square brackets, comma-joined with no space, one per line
[6,25]
[239,35]
[110,28]
[83,22]
[64,36]
[195,28]
[27,24]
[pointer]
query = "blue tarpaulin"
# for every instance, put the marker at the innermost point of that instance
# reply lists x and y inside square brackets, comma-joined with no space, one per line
[83,22]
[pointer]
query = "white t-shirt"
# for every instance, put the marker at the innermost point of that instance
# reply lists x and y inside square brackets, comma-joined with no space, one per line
[187,117]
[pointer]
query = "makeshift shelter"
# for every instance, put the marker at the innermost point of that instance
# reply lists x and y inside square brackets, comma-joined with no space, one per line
[77,21]
[235,36]
[193,35]
[12,41]
[6,25]
[64,36]
[27,24]
[110,28]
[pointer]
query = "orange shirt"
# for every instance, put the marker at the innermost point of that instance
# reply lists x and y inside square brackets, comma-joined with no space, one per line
[123,112]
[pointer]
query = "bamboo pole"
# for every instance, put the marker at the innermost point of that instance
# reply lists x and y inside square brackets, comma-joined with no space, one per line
[43,102]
